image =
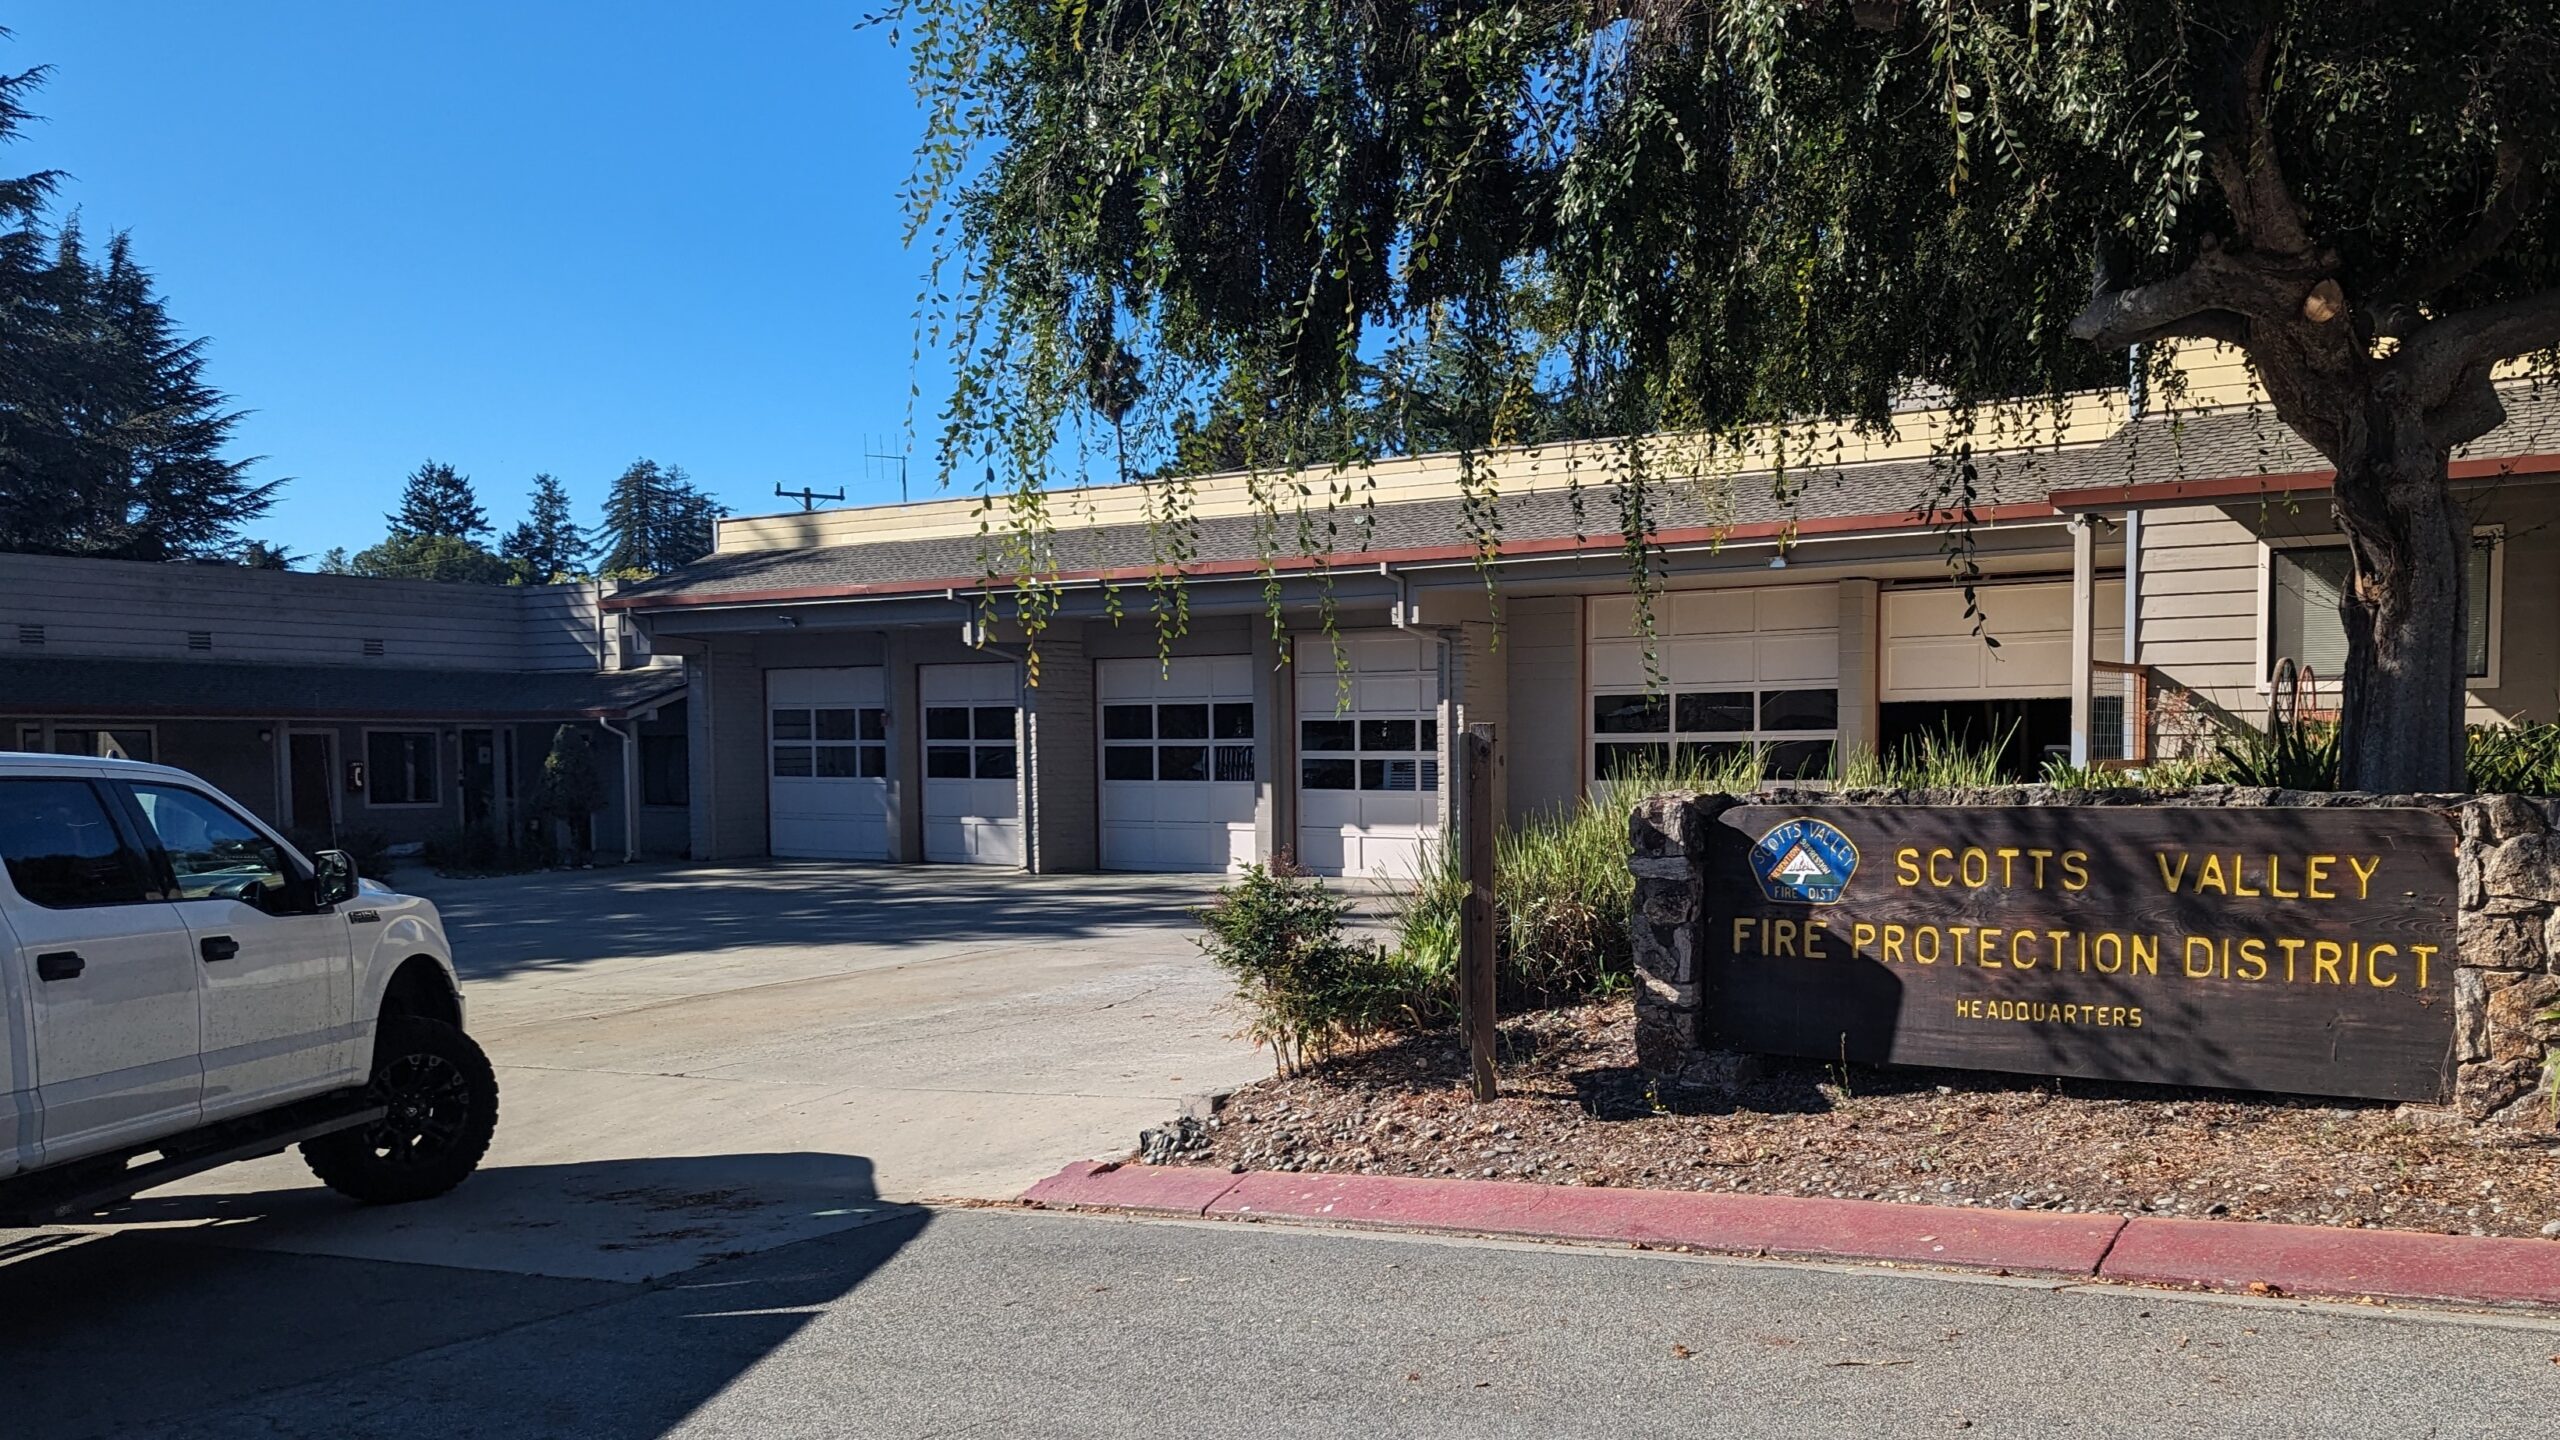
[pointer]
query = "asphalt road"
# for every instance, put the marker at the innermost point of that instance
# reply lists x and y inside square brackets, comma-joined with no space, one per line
[978,1323]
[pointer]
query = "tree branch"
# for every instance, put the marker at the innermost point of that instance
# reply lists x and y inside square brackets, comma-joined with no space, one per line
[2515,191]
[2212,299]
[2243,153]
[2434,360]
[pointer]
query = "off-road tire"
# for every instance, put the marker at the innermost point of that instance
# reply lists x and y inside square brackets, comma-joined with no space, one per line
[443,1099]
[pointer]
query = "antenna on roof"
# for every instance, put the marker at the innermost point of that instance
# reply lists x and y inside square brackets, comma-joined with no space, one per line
[884,455]
[808,498]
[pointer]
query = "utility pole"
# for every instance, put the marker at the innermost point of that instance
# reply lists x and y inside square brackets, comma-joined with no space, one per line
[808,498]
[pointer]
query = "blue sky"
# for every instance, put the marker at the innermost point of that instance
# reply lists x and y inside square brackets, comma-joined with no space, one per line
[514,237]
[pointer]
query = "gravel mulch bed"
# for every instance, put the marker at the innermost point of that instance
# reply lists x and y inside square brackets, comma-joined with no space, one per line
[1576,1110]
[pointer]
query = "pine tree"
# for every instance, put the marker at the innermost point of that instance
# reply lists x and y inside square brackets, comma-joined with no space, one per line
[110,440]
[655,520]
[265,555]
[547,545]
[438,500]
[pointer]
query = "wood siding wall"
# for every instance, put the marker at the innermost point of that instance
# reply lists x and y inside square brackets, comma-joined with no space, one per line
[130,610]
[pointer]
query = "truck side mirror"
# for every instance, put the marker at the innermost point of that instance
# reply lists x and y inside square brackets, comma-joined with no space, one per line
[334,880]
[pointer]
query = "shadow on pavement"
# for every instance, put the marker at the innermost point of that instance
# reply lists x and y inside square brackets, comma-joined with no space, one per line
[233,1297]
[516,923]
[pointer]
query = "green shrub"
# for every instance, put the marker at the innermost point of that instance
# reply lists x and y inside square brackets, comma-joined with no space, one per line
[2288,757]
[2515,759]
[1305,986]
[2063,775]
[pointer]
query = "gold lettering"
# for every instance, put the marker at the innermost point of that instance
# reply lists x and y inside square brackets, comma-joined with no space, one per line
[1893,943]
[1742,926]
[2275,880]
[2016,960]
[2187,961]
[2325,955]
[1906,866]
[1941,853]
[1958,932]
[2239,877]
[1782,937]
[1817,942]
[2146,954]
[1929,933]
[1861,935]
[2292,950]
[2170,877]
[2423,952]
[2364,868]
[2075,869]
[2039,856]
[2106,938]
[2210,877]
[2008,859]
[2314,871]
[1983,940]
[2136,1013]
[2253,952]
[1975,867]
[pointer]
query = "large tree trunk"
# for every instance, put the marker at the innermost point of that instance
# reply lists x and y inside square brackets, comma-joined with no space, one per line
[2401,722]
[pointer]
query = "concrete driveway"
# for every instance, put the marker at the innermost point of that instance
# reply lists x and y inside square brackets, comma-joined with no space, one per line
[697,1063]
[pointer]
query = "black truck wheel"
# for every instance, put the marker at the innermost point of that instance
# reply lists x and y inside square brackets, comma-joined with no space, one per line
[443,1102]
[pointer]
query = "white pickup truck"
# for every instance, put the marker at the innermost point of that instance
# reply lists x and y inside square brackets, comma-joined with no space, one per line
[180,988]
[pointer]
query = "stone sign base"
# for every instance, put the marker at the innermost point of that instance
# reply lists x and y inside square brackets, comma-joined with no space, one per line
[2507,929]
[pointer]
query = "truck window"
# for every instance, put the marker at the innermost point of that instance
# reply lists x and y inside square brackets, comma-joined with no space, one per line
[62,851]
[208,846]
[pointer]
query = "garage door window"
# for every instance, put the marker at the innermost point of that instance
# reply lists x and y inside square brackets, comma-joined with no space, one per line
[1793,731]
[1182,740]
[1370,752]
[836,743]
[955,737]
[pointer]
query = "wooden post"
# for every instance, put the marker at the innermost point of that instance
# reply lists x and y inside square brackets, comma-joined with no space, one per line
[1477,918]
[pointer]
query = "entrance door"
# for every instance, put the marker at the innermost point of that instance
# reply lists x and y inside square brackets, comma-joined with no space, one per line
[972,763]
[479,777]
[827,751]
[1369,777]
[312,778]
[1177,763]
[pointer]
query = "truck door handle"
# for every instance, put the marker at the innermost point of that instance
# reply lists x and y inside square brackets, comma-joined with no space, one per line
[217,947]
[60,965]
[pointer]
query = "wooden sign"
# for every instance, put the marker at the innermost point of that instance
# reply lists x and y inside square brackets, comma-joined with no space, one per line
[2307,951]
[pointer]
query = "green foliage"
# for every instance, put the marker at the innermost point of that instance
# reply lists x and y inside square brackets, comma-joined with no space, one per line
[437,500]
[1939,760]
[571,789]
[547,545]
[261,555]
[421,557]
[111,442]
[2515,759]
[655,521]
[2063,775]
[2301,756]
[1306,987]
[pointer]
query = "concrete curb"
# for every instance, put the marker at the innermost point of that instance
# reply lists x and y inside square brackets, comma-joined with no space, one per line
[2237,1256]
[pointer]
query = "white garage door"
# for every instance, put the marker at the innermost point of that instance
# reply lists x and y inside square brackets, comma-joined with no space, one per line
[827,751]
[1740,669]
[1369,776]
[972,764]
[1930,650]
[1177,763]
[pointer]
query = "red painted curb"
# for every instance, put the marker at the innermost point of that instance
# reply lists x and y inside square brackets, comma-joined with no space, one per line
[1822,1229]
[2318,1260]
[1152,1189]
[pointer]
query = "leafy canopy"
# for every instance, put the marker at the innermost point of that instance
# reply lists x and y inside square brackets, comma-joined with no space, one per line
[1247,219]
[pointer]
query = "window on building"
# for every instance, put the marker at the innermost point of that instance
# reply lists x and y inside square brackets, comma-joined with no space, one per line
[1178,740]
[62,851]
[665,778]
[1793,732]
[1370,751]
[400,767]
[844,742]
[2302,612]
[98,743]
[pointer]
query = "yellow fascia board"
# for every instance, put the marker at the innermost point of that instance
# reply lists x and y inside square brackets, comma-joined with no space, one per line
[2078,419]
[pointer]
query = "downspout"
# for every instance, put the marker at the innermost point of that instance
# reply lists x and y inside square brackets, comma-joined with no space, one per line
[630,786]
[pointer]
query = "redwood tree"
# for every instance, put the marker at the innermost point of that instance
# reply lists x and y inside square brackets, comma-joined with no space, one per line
[1699,216]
